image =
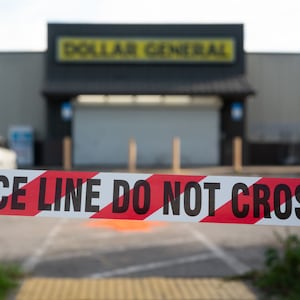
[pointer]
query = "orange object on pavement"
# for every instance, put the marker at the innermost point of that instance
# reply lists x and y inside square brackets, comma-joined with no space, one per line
[125,225]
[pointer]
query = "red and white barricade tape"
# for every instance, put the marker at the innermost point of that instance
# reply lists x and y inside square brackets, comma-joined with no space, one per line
[183,198]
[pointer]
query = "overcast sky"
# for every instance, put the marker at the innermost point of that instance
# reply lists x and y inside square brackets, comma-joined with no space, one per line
[270,25]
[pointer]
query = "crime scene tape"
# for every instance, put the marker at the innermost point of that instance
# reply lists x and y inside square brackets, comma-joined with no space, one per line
[183,198]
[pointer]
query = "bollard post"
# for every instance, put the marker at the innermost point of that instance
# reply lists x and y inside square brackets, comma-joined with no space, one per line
[237,154]
[67,153]
[176,154]
[132,152]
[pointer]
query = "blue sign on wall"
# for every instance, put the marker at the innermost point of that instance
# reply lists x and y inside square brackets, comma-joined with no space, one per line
[237,111]
[66,111]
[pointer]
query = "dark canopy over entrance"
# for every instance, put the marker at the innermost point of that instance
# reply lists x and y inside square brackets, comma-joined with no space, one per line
[195,60]
[236,86]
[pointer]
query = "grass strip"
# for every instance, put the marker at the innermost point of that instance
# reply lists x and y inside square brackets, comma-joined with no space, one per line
[10,275]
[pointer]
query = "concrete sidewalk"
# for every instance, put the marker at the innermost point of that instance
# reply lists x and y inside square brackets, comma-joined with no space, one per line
[149,288]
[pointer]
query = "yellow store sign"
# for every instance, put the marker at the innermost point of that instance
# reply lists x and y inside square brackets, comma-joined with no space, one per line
[93,50]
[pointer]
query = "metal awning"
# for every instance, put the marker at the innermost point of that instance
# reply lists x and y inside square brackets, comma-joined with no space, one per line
[232,86]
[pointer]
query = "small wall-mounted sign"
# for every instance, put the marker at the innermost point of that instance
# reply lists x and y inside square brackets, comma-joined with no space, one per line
[66,111]
[237,111]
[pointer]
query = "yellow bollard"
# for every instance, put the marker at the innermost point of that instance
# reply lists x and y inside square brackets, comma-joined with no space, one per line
[176,154]
[67,153]
[237,154]
[132,152]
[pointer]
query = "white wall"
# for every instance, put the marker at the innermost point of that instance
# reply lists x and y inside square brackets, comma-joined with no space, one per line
[101,134]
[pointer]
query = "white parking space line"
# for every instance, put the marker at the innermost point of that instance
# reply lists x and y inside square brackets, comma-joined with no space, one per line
[32,261]
[232,262]
[117,249]
[154,265]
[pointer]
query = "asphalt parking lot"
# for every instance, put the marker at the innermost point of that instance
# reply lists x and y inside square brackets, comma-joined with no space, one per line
[110,248]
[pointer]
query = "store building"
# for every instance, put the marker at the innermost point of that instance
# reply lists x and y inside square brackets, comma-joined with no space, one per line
[153,99]
[147,82]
